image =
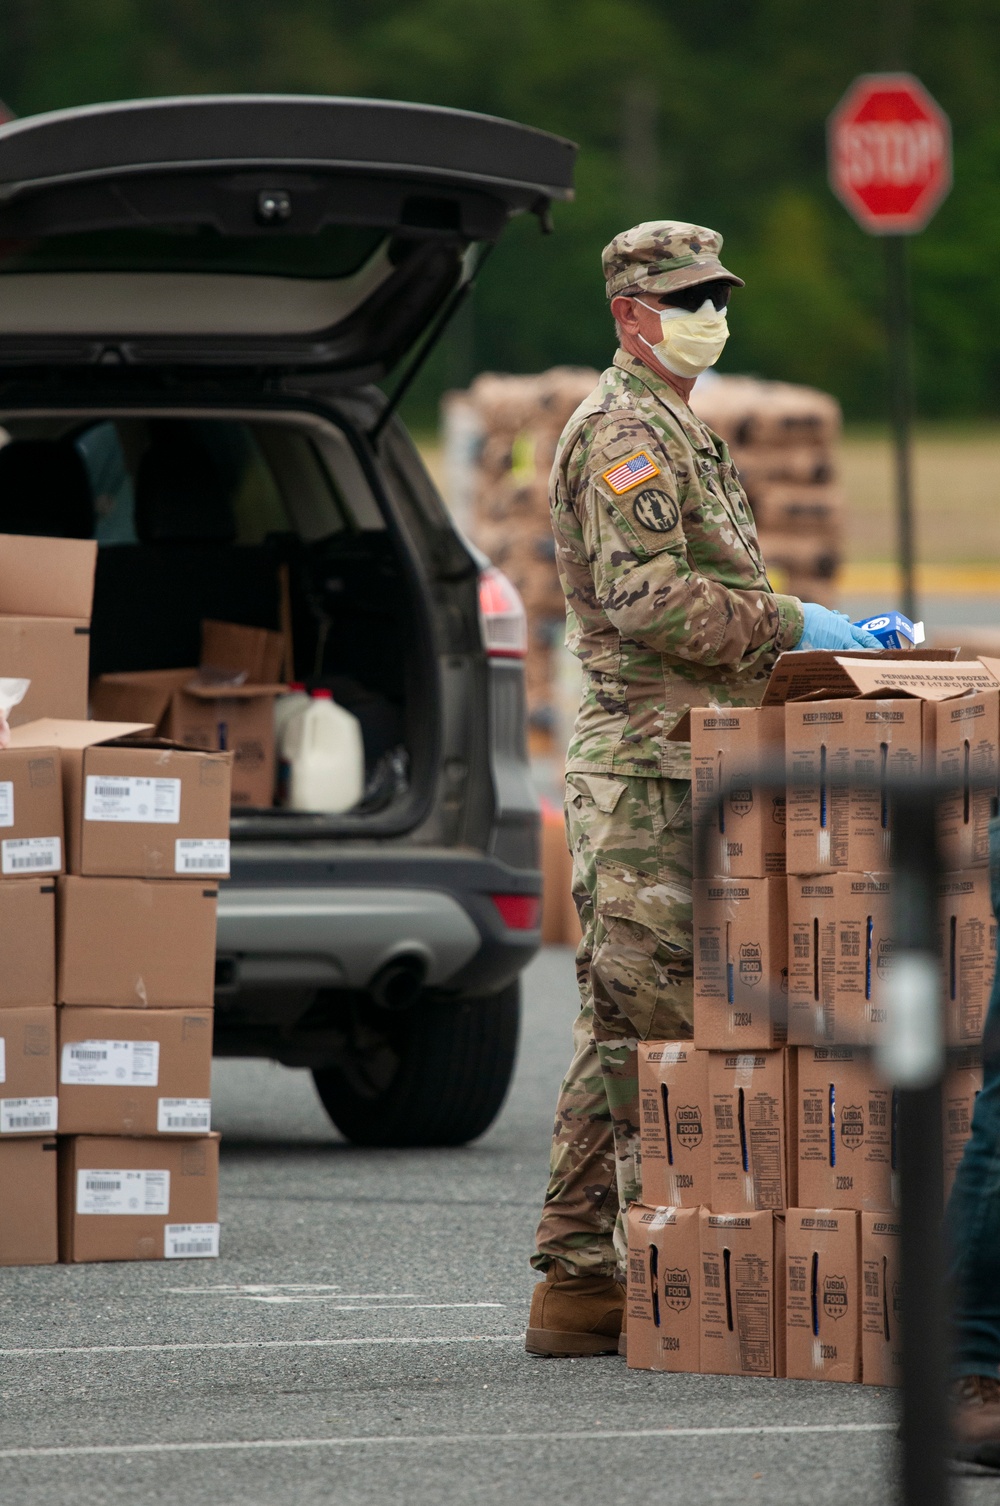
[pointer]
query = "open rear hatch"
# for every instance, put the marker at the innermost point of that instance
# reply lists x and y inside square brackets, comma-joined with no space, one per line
[272,231]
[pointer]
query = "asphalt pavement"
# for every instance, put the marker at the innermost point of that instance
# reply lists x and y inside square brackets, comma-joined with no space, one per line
[360,1341]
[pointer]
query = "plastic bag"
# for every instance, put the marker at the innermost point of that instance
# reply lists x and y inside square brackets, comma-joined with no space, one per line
[12,693]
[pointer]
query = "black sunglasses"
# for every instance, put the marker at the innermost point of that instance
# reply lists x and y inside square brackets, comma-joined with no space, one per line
[693,298]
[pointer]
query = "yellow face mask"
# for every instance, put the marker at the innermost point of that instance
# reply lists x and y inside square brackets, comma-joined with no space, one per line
[690,342]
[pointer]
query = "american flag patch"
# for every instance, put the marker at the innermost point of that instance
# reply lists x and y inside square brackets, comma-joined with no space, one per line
[622,478]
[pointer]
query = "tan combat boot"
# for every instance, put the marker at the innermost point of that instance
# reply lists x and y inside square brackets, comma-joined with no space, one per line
[975,1420]
[575,1315]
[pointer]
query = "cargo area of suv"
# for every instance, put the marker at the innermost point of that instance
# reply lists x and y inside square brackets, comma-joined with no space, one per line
[199,300]
[270,524]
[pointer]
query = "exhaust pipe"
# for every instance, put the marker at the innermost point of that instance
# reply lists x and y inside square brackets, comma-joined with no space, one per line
[399,982]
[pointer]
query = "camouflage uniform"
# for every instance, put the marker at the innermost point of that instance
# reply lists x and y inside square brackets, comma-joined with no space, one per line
[668,606]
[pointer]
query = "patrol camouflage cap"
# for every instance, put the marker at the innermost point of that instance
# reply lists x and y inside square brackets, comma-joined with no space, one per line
[661,255]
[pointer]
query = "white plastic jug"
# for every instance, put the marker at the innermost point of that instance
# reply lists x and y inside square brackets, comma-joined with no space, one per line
[286,706]
[326,757]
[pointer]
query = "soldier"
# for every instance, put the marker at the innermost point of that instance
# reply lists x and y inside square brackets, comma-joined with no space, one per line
[668,605]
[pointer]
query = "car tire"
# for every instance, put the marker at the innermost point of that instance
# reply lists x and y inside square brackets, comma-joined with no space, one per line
[436,1074]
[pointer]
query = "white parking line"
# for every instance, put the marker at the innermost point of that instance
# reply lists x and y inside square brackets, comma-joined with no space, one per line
[435,1440]
[247,1344]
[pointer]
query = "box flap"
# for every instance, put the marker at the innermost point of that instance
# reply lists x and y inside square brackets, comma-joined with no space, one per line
[682,732]
[253,651]
[143,694]
[52,732]
[247,692]
[801,673]
[46,577]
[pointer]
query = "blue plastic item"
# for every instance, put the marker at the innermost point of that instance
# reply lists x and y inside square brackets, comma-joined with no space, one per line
[893,630]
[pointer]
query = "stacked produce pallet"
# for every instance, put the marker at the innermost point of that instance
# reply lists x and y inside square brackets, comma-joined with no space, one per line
[784,439]
[111,847]
[768,1240]
[501,437]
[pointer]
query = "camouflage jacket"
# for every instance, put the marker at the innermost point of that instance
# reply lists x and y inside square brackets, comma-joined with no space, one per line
[667,600]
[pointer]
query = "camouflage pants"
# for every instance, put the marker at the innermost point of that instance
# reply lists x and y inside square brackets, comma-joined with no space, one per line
[631,846]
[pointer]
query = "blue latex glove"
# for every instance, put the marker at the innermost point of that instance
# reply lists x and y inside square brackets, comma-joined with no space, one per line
[832,630]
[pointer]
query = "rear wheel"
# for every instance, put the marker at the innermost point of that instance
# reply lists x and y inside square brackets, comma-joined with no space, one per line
[434,1075]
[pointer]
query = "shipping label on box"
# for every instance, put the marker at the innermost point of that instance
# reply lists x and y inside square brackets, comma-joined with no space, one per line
[27,917]
[664,1288]
[881,1301]
[135,1071]
[840,954]
[968,943]
[31,812]
[130,1198]
[841,756]
[963,1082]
[136,943]
[739,823]
[28,1200]
[28,1103]
[741,1276]
[740,963]
[967,750]
[823,1294]
[674,1124]
[748,1093]
[845,1130]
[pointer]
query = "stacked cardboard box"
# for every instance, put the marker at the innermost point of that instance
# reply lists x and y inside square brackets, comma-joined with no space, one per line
[784,440]
[502,436]
[141,841]
[775,1111]
[226,704]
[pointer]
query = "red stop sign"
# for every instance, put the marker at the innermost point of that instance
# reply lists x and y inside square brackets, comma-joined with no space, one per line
[889,153]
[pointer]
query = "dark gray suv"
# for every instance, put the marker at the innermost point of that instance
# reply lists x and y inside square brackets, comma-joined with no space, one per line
[197,298]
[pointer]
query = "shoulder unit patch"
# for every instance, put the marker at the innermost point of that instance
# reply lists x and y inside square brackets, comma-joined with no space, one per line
[622,478]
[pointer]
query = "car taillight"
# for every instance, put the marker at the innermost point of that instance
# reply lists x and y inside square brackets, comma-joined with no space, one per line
[502,616]
[519,912]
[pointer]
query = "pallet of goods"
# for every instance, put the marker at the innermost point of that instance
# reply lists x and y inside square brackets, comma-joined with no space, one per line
[768,1239]
[784,441]
[112,845]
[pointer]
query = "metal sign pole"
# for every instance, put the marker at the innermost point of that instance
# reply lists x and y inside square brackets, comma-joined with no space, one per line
[901,389]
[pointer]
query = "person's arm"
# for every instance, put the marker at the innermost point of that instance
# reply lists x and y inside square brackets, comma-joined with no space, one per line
[645,583]
[4,731]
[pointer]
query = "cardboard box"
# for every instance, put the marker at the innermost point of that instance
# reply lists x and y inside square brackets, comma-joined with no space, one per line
[743,823]
[46,598]
[742,1293]
[845,1130]
[834,822]
[27,943]
[963,1081]
[798,507]
[968,939]
[752,1136]
[236,718]
[675,1110]
[135,1071]
[823,1294]
[740,962]
[237,649]
[138,807]
[967,749]
[881,1305]
[28,1103]
[890,672]
[664,1288]
[28,1202]
[133,1199]
[136,943]
[31,812]
[840,951]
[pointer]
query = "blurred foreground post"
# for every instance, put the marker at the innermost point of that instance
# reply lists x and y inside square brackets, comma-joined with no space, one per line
[912,1057]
